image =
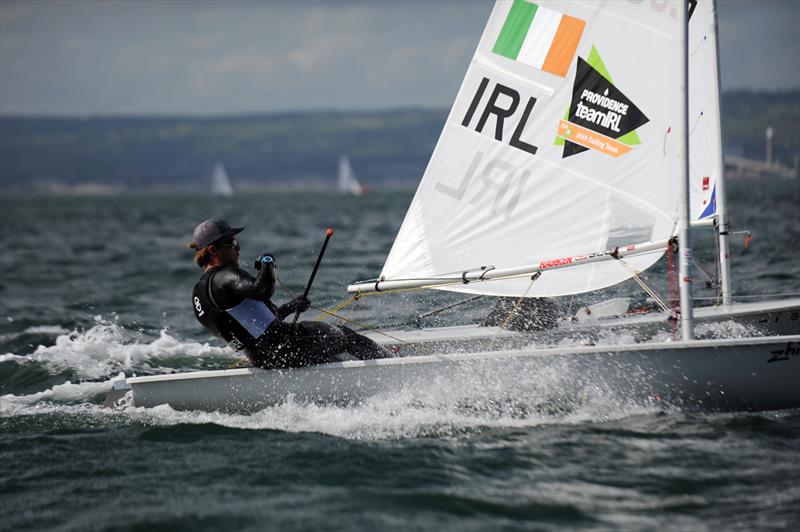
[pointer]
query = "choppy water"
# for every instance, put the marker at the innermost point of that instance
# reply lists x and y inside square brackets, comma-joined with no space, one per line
[92,287]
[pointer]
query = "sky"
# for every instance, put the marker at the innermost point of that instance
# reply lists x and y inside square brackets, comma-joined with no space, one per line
[209,57]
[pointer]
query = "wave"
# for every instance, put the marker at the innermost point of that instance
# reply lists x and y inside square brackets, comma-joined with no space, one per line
[107,348]
[35,330]
[398,415]
[55,398]
[106,352]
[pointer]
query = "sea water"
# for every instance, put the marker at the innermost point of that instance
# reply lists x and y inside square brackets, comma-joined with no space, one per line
[92,287]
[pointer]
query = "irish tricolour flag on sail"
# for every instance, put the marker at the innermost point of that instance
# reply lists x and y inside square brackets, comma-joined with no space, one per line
[539,37]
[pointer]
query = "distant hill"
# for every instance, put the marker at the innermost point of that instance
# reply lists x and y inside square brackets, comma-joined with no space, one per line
[180,152]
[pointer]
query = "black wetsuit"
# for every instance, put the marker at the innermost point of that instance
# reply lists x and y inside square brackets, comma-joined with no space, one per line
[237,308]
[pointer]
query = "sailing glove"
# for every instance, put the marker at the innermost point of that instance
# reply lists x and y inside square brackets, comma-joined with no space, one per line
[298,304]
[266,258]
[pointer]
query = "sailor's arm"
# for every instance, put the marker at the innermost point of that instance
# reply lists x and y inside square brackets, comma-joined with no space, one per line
[301,304]
[235,284]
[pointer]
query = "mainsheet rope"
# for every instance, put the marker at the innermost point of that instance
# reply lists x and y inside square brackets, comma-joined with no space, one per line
[332,312]
[514,309]
[650,291]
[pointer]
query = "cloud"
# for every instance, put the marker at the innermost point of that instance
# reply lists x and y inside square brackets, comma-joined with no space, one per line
[238,56]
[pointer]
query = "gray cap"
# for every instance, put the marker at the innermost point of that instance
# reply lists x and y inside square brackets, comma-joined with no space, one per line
[210,231]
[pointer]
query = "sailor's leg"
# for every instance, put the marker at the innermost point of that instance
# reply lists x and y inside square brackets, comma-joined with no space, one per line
[312,342]
[362,347]
[320,342]
[288,345]
[329,341]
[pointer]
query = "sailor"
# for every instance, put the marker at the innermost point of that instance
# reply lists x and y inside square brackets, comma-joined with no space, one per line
[237,308]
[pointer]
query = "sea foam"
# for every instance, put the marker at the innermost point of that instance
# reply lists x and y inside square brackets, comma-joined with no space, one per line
[107,348]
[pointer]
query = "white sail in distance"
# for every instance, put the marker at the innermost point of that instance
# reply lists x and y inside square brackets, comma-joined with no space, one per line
[347,182]
[220,182]
[563,141]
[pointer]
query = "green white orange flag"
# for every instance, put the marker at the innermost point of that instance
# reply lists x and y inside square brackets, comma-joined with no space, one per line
[539,37]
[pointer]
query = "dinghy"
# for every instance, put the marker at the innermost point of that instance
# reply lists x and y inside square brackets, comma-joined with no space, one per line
[563,168]
[346,180]
[220,182]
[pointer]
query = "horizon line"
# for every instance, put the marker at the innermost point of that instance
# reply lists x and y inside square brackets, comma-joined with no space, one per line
[49,115]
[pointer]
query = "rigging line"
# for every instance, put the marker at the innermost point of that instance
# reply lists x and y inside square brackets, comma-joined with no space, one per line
[417,321]
[325,313]
[635,276]
[448,307]
[240,362]
[337,308]
[513,310]
[702,270]
[332,313]
[362,326]
[285,288]
[652,293]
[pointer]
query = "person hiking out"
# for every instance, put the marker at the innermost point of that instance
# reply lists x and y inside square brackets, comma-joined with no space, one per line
[238,308]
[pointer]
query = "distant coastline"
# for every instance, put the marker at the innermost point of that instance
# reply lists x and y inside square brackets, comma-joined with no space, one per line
[292,151]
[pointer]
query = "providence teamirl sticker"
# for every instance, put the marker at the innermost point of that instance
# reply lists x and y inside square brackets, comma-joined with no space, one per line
[600,116]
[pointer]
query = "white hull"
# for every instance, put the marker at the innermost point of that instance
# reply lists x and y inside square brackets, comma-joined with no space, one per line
[730,374]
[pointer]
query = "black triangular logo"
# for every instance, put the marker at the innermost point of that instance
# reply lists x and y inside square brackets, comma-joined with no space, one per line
[599,106]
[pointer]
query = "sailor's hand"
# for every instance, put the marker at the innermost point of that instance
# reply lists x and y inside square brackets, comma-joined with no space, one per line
[299,304]
[265,259]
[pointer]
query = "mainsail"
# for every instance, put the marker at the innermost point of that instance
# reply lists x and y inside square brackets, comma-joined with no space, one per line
[563,141]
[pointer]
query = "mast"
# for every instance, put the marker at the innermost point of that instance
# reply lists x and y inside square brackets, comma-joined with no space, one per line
[723,229]
[684,229]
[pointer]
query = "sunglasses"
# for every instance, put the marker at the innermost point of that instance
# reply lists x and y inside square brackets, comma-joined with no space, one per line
[229,244]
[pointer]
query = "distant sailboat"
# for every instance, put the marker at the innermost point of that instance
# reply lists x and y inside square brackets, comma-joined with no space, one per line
[348,184]
[220,182]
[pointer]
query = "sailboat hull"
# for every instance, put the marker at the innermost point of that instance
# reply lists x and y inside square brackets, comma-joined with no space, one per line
[716,375]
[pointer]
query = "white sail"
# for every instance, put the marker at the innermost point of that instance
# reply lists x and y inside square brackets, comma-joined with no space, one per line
[220,182]
[562,142]
[705,133]
[347,181]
